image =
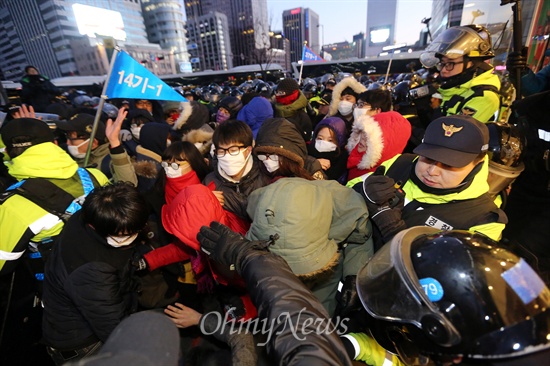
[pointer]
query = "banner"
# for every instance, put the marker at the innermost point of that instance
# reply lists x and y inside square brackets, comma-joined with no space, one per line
[309,55]
[129,79]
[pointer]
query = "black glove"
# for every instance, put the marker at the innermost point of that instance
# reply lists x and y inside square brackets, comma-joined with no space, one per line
[378,188]
[389,221]
[138,262]
[226,246]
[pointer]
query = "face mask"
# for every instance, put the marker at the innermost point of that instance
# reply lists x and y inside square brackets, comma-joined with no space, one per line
[221,117]
[232,165]
[271,165]
[73,150]
[121,241]
[345,107]
[135,131]
[325,146]
[176,173]
[358,112]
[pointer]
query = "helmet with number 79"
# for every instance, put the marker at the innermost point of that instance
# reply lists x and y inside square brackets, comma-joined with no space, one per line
[443,295]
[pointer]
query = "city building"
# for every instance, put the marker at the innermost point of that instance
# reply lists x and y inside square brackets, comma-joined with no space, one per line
[209,44]
[301,25]
[280,50]
[248,28]
[381,22]
[43,32]
[165,27]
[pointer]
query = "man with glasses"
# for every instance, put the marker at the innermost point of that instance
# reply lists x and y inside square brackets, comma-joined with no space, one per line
[378,133]
[236,173]
[468,85]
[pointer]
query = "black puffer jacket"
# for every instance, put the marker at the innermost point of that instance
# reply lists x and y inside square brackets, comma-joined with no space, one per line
[87,288]
[236,194]
[281,298]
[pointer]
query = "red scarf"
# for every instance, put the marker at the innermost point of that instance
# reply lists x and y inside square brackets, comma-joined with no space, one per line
[175,185]
[287,99]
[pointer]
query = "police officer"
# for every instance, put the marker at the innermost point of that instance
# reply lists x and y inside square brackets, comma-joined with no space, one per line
[468,85]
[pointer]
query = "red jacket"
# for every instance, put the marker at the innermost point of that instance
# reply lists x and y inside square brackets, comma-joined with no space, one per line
[385,135]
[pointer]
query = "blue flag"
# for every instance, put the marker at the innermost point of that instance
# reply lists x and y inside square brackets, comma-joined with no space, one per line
[129,79]
[309,55]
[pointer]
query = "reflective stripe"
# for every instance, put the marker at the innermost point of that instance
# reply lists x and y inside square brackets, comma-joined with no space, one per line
[87,186]
[46,222]
[10,256]
[544,135]
[388,361]
[355,344]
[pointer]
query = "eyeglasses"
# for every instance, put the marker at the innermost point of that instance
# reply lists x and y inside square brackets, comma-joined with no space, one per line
[232,150]
[362,105]
[272,157]
[449,66]
[173,165]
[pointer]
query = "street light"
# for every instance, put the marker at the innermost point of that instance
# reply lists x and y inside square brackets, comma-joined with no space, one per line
[427,22]
[322,37]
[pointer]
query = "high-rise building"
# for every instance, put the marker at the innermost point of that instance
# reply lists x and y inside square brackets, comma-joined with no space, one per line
[359,45]
[247,23]
[43,32]
[301,25]
[445,14]
[165,26]
[280,50]
[381,22]
[209,45]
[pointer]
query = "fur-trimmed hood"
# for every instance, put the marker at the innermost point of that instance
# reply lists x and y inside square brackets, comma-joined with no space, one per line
[386,133]
[350,82]
[201,137]
[193,116]
[368,127]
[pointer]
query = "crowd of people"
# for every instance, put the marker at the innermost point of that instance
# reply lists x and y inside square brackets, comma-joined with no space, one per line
[366,206]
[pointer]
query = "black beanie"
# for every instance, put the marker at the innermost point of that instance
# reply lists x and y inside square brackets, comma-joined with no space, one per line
[287,86]
[349,91]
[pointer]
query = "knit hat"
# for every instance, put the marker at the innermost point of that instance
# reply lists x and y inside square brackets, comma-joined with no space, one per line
[82,124]
[287,86]
[232,104]
[140,113]
[281,137]
[454,140]
[337,125]
[144,338]
[25,132]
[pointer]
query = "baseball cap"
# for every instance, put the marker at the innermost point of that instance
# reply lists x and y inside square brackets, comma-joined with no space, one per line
[25,132]
[454,140]
[82,124]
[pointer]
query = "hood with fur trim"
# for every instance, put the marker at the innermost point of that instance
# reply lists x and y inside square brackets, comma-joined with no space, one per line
[201,137]
[349,82]
[193,116]
[386,135]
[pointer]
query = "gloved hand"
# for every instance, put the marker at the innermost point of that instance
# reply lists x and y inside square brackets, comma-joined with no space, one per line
[378,188]
[138,262]
[226,246]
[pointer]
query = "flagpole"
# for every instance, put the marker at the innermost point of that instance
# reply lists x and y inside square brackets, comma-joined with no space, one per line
[100,107]
[302,64]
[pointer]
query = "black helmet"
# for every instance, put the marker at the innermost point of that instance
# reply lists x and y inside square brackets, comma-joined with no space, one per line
[473,41]
[232,104]
[309,90]
[264,89]
[400,92]
[236,92]
[215,94]
[454,293]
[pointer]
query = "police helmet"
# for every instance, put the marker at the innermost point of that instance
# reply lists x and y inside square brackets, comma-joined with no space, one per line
[472,41]
[232,104]
[446,294]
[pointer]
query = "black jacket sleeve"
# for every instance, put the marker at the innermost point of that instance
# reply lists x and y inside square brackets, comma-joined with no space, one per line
[300,330]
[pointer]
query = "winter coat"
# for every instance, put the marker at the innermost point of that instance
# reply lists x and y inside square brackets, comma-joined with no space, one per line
[338,158]
[192,125]
[349,82]
[236,194]
[38,91]
[87,288]
[255,112]
[22,220]
[386,135]
[481,107]
[295,113]
[275,290]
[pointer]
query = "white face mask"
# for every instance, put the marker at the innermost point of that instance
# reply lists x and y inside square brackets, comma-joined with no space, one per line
[358,112]
[135,131]
[325,146]
[345,107]
[271,165]
[173,173]
[121,241]
[73,150]
[232,165]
